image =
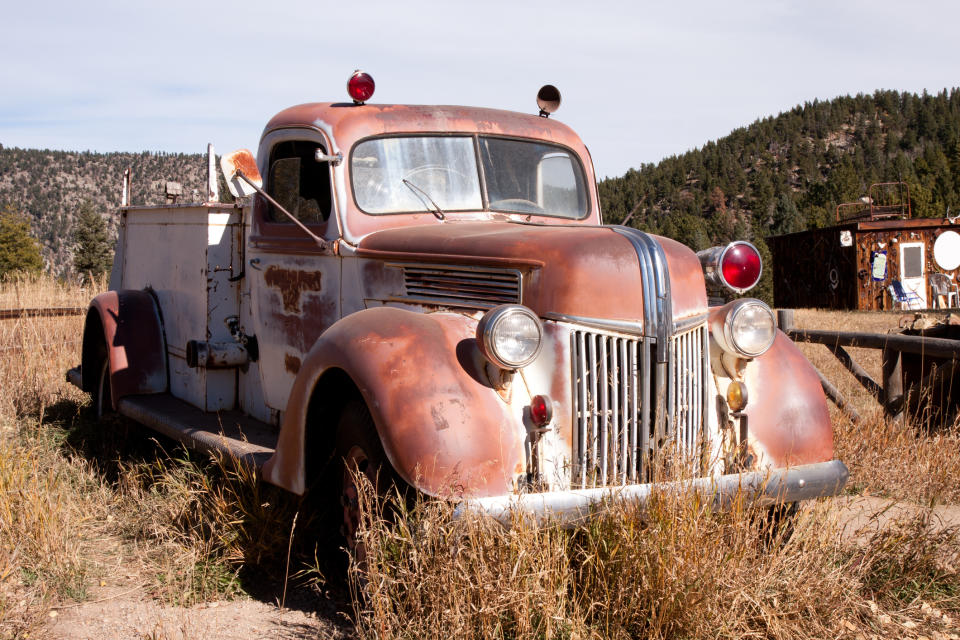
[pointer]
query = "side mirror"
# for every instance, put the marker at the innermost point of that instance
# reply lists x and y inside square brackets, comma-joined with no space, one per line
[243,163]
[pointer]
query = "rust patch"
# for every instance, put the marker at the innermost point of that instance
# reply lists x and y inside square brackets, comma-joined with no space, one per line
[291,283]
[439,421]
[291,363]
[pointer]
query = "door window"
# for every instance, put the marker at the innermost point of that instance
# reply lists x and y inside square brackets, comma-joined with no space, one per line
[299,183]
[912,261]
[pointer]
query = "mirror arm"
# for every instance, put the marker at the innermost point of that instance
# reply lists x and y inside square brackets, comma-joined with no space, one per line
[335,159]
[323,244]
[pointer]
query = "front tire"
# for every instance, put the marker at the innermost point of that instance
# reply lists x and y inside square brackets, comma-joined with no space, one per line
[101,393]
[360,454]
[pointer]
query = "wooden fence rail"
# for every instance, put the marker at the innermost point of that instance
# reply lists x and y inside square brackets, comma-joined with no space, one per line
[889,391]
[45,312]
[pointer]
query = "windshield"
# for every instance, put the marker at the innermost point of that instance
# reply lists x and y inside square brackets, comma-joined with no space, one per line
[518,176]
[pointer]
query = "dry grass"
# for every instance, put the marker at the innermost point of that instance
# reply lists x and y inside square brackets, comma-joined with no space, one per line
[675,570]
[79,500]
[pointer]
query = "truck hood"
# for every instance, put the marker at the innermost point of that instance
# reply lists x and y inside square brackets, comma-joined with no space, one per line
[575,270]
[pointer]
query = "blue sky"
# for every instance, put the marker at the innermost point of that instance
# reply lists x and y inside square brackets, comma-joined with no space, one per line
[640,81]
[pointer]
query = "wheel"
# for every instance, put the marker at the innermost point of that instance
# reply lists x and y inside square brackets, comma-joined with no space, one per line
[101,394]
[777,525]
[360,452]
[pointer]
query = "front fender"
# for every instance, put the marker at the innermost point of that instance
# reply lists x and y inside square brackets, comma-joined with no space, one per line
[129,325]
[787,412]
[443,428]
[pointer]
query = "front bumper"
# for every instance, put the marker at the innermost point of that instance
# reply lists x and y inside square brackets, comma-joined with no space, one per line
[769,486]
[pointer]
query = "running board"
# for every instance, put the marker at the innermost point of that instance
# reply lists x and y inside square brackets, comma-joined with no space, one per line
[231,433]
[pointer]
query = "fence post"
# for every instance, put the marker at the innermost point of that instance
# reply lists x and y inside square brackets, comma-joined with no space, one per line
[892,382]
[785,319]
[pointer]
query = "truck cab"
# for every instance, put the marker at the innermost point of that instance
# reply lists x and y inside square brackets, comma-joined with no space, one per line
[430,293]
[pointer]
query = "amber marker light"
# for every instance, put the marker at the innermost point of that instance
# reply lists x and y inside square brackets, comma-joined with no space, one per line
[737,396]
[541,410]
[360,86]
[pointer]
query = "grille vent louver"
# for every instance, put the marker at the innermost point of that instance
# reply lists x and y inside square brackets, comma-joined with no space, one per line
[462,286]
[615,408]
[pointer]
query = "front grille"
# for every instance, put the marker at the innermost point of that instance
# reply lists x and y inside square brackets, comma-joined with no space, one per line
[621,415]
[462,286]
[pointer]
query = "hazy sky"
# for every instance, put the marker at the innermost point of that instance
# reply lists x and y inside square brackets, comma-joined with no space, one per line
[640,81]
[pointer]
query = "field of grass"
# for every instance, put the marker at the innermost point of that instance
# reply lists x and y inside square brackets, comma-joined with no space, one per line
[82,502]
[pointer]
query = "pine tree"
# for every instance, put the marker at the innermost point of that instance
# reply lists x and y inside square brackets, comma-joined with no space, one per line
[786,217]
[93,250]
[19,250]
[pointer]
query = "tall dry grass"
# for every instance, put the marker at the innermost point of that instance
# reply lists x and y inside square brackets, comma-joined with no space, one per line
[35,352]
[677,569]
[81,500]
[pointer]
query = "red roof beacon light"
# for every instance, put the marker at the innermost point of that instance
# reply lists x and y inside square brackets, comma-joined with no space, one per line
[360,86]
[736,266]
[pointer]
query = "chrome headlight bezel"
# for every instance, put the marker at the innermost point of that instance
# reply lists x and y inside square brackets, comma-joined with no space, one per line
[727,334]
[492,321]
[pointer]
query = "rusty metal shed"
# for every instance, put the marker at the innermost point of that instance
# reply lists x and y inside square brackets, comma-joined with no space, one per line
[853,264]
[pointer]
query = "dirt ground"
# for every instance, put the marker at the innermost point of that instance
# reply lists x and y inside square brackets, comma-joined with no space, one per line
[117,610]
[135,615]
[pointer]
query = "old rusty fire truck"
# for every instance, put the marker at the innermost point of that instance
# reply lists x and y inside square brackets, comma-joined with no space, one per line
[429,294]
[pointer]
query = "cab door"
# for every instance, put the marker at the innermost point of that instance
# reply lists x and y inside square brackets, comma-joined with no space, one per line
[294,284]
[913,273]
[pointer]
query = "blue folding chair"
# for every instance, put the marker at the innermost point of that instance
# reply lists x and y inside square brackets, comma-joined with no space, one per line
[906,299]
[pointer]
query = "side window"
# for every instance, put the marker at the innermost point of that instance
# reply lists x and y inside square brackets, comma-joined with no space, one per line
[298,182]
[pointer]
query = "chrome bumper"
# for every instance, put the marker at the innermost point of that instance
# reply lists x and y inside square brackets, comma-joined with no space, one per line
[769,486]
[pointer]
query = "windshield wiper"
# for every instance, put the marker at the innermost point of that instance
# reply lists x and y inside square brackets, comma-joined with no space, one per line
[417,191]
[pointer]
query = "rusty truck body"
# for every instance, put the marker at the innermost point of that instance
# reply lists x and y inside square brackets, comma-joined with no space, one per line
[430,291]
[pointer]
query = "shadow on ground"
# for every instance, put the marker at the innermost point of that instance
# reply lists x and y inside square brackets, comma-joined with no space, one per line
[316,583]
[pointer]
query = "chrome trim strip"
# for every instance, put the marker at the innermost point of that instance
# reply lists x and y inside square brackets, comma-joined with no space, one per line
[653,265]
[689,323]
[623,326]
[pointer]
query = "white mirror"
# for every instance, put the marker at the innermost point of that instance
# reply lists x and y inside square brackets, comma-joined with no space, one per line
[241,161]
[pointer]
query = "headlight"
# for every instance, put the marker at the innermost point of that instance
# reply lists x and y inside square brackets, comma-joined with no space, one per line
[509,336]
[745,328]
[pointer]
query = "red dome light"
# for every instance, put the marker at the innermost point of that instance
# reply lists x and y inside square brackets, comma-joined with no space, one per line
[741,266]
[360,86]
[541,411]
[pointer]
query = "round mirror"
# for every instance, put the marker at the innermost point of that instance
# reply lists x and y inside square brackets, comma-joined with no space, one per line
[946,250]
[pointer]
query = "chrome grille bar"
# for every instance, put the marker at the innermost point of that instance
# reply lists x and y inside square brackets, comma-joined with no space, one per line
[616,431]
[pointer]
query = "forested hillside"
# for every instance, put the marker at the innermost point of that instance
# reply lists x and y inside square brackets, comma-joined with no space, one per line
[777,175]
[789,172]
[50,187]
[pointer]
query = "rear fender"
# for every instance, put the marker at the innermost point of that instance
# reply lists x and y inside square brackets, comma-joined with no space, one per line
[444,429]
[129,325]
